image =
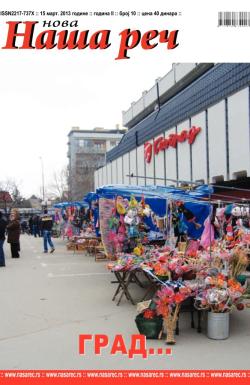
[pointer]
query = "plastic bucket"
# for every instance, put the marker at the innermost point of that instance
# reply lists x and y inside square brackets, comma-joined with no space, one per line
[218,326]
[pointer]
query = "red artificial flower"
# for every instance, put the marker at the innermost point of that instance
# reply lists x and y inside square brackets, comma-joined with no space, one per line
[240,306]
[149,314]
[192,253]
[179,297]
[221,306]
[162,259]
[235,285]
[221,276]
[162,310]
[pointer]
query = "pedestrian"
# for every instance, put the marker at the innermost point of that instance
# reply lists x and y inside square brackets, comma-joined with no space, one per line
[14,230]
[40,230]
[3,225]
[77,223]
[30,226]
[35,223]
[46,225]
[24,226]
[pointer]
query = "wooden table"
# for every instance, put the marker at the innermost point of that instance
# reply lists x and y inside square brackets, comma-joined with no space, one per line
[86,245]
[124,279]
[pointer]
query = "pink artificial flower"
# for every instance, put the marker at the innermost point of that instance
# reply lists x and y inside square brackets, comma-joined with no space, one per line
[225,256]
[172,266]
[208,280]
[179,270]
[166,291]
[185,268]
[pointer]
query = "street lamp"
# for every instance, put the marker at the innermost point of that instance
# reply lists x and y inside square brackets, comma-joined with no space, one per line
[41,159]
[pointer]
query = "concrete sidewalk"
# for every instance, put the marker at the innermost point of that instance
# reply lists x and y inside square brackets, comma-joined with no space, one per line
[47,300]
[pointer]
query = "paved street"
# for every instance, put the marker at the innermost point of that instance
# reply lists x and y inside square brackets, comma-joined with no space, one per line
[47,300]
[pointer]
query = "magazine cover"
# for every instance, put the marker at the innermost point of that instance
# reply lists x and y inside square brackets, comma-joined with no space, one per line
[124,192]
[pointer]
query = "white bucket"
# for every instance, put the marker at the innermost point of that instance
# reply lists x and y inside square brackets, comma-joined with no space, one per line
[218,326]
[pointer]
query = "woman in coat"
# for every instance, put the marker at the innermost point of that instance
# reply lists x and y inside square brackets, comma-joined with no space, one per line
[14,231]
[3,225]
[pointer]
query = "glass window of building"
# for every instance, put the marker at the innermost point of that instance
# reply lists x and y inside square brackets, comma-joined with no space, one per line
[100,144]
[88,143]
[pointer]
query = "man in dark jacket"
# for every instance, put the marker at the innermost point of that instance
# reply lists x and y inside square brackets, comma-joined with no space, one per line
[3,225]
[46,226]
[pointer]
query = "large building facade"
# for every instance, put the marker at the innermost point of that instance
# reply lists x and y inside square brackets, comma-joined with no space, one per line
[86,152]
[193,125]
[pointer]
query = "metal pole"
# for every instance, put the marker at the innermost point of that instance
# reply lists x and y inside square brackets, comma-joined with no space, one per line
[167,179]
[210,225]
[192,183]
[43,189]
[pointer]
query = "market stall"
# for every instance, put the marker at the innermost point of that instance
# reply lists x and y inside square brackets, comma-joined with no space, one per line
[129,214]
[78,223]
[205,252]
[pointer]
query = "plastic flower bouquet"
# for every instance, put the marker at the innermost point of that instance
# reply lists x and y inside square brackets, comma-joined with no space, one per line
[161,270]
[171,267]
[220,295]
[168,301]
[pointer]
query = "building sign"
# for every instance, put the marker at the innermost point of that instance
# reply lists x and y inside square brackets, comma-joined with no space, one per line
[162,144]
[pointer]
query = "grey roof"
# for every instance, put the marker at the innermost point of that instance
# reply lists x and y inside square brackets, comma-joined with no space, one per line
[121,132]
[216,84]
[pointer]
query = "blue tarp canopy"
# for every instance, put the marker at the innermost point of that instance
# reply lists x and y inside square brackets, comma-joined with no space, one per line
[203,191]
[90,197]
[63,205]
[157,203]
[157,197]
[80,204]
[60,205]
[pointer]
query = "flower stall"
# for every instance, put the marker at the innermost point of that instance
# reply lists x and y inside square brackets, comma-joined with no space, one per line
[78,222]
[203,256]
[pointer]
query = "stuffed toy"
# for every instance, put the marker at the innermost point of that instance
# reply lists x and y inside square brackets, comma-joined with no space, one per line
[120,207]
[132,217]
[128,219]
[147,211]
[228,209]
[236,211]
[229,233]
[133,202]
[138,251]
[121,227]
[142,203]
[113,222]
[240,211]
[220,212]
[133,232]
